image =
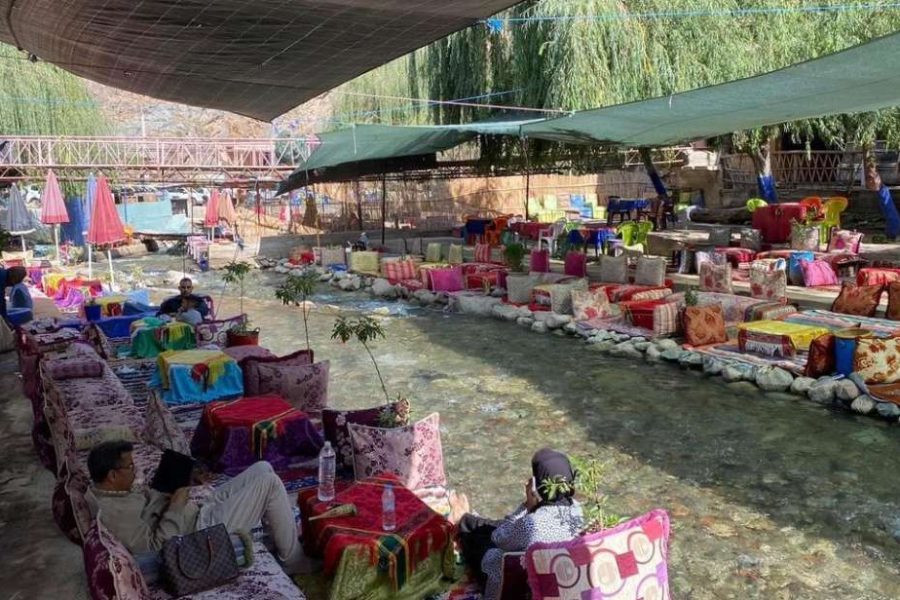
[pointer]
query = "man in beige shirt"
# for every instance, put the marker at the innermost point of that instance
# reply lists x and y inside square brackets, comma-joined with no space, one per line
[143,519]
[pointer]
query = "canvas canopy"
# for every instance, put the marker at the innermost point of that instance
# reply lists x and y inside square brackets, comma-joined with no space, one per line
[258,58]
[860,79]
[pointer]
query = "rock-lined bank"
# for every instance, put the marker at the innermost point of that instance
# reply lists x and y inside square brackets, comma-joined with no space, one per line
[827,391]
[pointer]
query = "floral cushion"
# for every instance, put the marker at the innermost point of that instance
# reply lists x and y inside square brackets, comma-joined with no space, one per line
[112,573]
[70,508]
[216,332]
[650,271]
[613,269]
[590,304]
[74,368]
[877,276]
[877,360]
[91,427]
[626,562]
[893,308]
[161,429]
[413,452]
[305,387]
[821,360]
[818,273]
[446,280]
[715,278]
[845,241]
[334,424]
[768,285]
[250,367]
[858,300]
[239,353]
[704,325]
[805,237]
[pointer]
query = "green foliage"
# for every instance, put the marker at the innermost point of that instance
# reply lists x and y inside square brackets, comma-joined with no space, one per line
[690,297]
[5,238]
[236,272]
[575,64]
[364,330]
[40,99]
[588,483]
[296,290]
[514,255]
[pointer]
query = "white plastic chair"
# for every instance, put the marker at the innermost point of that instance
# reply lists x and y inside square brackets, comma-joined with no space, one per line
[550,234]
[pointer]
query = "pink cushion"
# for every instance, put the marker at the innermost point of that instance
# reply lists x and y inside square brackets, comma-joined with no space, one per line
[845,241]
[715,278]
[399,270]
[250,367]
[626,562]
[413,453]
[818,272]
[576,264]
[305,387]
[539,261]
[446,280]
[74,368]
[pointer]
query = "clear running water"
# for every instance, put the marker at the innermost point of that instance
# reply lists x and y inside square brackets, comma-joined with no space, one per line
[771,496]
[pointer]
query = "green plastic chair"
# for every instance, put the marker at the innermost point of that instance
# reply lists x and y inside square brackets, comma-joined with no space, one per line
[754,203]
[643,230]
[627,231]
[833,208]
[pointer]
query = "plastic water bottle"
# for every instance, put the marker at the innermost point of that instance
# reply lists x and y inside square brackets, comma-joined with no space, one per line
[388,509]
[326,473]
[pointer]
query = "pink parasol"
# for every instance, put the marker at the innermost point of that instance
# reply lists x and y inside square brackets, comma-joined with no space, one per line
[53,208]
[106,227]
[226,210]
[212,210]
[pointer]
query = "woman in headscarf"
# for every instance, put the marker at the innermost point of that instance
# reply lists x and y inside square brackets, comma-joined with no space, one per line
[19,296]
[550,513]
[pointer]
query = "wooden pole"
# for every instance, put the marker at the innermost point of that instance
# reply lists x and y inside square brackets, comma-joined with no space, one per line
[527,176]
[383,204]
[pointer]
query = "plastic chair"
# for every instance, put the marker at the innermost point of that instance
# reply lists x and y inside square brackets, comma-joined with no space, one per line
[754,203]
[495,231]
[833,207]
[627,231]
[813,203]
[550,234]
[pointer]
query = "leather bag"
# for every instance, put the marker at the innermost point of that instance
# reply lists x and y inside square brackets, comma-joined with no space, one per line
[198,561]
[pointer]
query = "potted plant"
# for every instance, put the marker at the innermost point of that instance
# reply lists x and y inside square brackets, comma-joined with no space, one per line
[296,290]
[514,254]
[365,330]
[588,479]
[240,335]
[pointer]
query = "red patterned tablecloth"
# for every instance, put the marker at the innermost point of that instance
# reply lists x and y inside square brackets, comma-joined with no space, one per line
[420,531]
[529,230]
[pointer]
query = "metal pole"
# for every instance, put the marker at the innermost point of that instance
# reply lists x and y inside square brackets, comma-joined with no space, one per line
[527,176]
[383,204]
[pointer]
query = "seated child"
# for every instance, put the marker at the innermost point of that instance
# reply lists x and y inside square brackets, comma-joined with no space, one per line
[188,312]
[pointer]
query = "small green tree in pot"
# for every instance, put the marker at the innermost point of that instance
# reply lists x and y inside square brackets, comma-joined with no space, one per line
[296,290]
[365,330]
[240,335]
[514,254]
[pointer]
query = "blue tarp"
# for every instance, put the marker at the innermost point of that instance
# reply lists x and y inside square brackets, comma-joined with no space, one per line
[153,218]
[73,231]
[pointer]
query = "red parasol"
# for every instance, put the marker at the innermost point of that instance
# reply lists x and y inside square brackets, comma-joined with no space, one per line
[53,208]
[106,227]
[226,210]
[212,210]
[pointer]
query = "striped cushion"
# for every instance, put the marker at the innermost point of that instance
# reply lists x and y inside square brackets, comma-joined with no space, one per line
[399,270]
[482,253]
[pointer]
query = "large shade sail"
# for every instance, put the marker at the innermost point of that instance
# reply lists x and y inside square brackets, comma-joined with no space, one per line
[860,79]
[258,58]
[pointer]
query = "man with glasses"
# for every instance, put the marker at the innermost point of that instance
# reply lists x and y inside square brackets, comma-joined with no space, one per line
[174,305]
[143,519]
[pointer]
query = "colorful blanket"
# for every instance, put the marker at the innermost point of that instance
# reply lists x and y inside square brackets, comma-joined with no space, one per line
[833,321]
[266,418]
[150,336]
[420,531]
[777,337]
[188,376]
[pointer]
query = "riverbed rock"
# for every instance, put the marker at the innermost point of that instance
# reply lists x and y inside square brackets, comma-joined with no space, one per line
[382,288]
[347,283]
[666,344]
[341,275]
[425,297]
[712,366]
[281,269]
[625,350]
[480,306]
[505,312]
[555,320]
[672,354]
[863,404]
[888,410]
[773,379]
[801,385]
[525,321]
[325,277]
[846,390]
[524,311]
[690,360]
[539,327]
[570,328]
[653,354]
[738,372]
[823,391]
[641,346]
[604,346]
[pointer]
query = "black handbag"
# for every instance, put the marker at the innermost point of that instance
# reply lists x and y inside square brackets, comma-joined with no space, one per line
[198,561]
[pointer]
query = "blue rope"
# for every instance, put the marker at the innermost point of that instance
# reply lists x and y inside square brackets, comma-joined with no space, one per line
[495,24]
